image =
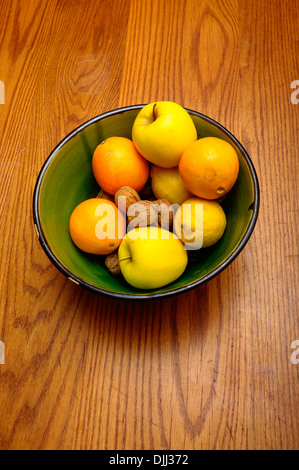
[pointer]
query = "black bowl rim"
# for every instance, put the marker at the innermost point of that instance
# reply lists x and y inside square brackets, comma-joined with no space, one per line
[180,290]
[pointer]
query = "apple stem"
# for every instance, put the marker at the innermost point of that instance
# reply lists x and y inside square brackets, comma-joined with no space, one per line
[154,116]
[124,259]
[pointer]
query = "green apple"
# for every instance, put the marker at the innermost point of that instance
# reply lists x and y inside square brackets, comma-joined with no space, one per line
[151,257]
[162,131]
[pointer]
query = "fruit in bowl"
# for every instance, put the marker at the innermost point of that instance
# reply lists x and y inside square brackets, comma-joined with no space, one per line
[68,179]
[161,132]
[167,184]
[97,226]
[116,163]
[151,254]
[209,167]
[151,257]
[199,223]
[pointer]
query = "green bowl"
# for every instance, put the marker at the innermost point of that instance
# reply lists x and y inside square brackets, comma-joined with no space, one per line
[66,179]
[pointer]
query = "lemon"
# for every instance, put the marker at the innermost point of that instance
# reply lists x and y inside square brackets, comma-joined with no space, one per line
[167,184]
[199,223]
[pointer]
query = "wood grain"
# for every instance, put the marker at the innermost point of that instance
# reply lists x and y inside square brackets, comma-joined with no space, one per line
[210,369]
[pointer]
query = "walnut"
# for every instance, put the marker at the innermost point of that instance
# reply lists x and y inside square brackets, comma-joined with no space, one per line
[103,195]
[165,213]
[125,197]
[112,264]
[142,214]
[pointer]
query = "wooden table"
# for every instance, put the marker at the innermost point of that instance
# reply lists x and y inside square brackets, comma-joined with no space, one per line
[211,369]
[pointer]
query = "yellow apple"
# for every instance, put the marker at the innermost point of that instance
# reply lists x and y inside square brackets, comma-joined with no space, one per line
[162,131]
[151,257]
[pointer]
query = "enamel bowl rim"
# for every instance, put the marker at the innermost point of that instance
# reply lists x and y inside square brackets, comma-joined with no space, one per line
[80,282]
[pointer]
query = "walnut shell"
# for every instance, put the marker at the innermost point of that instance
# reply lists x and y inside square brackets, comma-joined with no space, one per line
[103,195]
[125,197]
[112,264]
[165,213]
[143,214]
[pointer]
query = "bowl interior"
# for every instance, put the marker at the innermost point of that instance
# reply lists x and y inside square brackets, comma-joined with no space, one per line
[67,179]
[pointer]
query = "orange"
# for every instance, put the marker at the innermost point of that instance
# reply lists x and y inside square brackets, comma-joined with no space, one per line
[116,163]
[209,167]
[97,226]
